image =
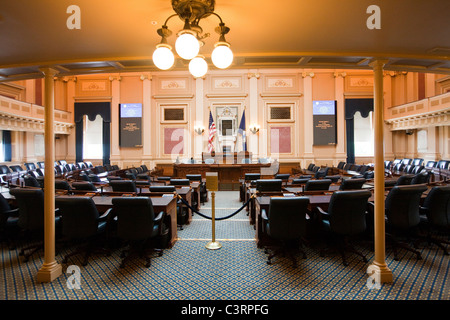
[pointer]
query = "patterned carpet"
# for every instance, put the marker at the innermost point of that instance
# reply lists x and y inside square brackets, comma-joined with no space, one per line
[237,271]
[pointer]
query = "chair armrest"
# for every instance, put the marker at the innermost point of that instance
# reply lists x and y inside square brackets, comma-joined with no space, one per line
[323,215]
[104,216]
[159,220]
[264,215]
[12,212]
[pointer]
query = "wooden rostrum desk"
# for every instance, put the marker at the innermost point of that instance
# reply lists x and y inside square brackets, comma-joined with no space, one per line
[229,175]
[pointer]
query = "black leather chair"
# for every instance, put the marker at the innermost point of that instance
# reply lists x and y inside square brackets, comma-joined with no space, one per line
[283,176]
[404,180]
[333,178]
[285,223]
[435,216]
[31,217]
[252,176]
[300,180]
[311,167]
[179,182]
[82,223]
[62,185]
[402,216]
[30,166]
[269,185]
[420,178]
[321,173]
[345,219]
[123,186]
[31,181]
[138,225]
[9,218]
[318,185]
[352,184]
[341,165]
[84,186]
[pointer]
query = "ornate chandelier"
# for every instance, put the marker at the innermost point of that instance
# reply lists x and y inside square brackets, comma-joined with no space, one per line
[190,38]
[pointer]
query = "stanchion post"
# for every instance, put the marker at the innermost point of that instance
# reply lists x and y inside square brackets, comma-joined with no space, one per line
[212,184]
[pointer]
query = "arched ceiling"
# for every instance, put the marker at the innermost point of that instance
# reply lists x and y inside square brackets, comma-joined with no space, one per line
[120,35]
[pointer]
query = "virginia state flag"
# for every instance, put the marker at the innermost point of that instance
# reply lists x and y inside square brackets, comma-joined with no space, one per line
[241,130]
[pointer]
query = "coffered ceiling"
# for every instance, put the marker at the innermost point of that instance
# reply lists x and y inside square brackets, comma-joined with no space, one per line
[120,35]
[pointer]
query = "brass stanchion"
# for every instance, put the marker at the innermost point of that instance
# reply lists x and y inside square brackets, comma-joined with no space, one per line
[212,185]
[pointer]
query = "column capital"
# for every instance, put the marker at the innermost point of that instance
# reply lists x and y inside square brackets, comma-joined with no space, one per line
[48,71]
[378,63]
[308,74]
[253,75]
[112,78]
[146,77]
[340,74]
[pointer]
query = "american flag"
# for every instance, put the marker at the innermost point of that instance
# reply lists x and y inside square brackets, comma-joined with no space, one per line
[212,132]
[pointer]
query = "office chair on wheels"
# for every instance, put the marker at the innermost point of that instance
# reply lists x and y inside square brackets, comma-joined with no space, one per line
[285,223]
[138,226]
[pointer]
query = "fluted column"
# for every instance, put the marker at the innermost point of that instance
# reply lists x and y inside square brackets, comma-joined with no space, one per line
[50,270]
[308,154]
[341,154]
[379,269]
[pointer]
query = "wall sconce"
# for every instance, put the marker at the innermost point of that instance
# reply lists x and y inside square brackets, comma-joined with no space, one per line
[254,128]
[199,130]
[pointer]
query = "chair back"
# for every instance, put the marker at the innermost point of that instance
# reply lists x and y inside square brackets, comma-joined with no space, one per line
[404,179]
[62,185]
[263,185]
[352,184]
[402,205]
[31,181]
[170,189]
[282,176]
[123,185]
[347,211]
[300,180]
[318,185]
[420,178]
[84,185]
[31,207]
[79,216]
[437,204]
[287,217]
[179,182]
[341,165]
[252,176]
[194,177]
[135,217]
[30,166]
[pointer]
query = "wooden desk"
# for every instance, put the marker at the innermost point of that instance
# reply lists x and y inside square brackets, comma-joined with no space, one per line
[228,174]
[167,204]
[184,192]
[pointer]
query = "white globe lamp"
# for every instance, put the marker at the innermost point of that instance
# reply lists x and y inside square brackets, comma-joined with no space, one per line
[222,56]
[187,45]
[163,57]
[198,67]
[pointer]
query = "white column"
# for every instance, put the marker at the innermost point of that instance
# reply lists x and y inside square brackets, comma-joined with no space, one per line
[255,145]
[50,270]
[308,154]
[340,155]
[387,83]
[115,93]
[199,120]
[71,139]
[146,119]
[379,268]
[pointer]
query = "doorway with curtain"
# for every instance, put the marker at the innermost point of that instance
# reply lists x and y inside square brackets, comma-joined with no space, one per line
[364,107]
[91,110]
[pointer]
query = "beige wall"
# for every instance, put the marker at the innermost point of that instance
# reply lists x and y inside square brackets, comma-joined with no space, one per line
[256,91]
